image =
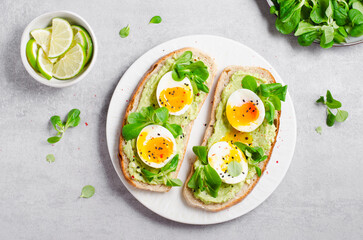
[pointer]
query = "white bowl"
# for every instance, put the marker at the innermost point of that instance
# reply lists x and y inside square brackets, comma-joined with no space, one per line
[44,21]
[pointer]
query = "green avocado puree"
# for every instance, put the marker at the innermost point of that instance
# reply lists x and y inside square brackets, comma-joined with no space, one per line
[148,98]
[262,137]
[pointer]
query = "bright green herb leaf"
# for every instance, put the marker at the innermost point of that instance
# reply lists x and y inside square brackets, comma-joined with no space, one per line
[124,32]
[175,129]
[201,152]
[319,20]
[57,123]
[269,112]
[321,100]
[197,72]
[234,168]
[87,191]
[73,118]
[258,171]
[212,180]
[54,139]
[330,120]
[50,158]
[131,131]
[162,114]
[249,82]
[147,116]
[172,165]
[174,182]
[341,115]
[155,20]
[193,181]
[148,175]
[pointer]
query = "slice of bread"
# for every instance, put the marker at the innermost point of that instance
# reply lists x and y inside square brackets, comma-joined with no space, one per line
[134,102]
[247,188]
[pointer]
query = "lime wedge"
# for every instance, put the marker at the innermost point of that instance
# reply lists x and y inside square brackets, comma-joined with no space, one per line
[70,64]
[42,38]
[44,65]
[32,53]
[53,60]
[89,51]
[61,38]
[80,38]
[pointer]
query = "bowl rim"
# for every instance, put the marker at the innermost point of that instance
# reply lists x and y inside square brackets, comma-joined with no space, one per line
[60,83]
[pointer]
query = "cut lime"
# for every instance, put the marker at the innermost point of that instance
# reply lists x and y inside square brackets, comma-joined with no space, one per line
[32,53]
[80,38]
[61,39]
[70,64]
[42,38]
[89,51]
[53,60]
[44,65]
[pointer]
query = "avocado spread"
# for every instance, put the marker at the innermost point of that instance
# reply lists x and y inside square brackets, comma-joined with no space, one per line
[148,98]
[263,136]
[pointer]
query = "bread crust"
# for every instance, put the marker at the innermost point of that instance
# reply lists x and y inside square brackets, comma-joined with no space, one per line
[247,188]
[134,102]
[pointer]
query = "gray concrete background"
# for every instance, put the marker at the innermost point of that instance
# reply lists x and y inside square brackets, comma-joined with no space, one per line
[320,197]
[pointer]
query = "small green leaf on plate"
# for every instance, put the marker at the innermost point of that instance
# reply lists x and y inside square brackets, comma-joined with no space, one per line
[87,191]
[124,32]
[234,168]
[319,130]
[155,20]
[50,158]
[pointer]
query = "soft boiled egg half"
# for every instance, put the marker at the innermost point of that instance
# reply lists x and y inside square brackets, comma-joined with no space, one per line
[245,110]
[155,146]
[223,153]
[175,96]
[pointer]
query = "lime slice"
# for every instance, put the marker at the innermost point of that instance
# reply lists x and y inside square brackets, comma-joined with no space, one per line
[61,39]
[44,65]
[80,38]
[70,64]
[53,60]
[32,53]
[42,38]
[89,51]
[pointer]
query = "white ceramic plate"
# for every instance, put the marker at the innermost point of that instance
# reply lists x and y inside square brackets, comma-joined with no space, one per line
[349,41]
[171,205]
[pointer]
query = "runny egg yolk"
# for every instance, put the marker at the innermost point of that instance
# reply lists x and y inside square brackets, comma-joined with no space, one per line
[236,136]
[176,98]
[242,115]
[154,150]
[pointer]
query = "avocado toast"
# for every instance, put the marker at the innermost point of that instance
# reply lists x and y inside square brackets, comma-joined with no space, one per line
[166,108]
[215,188]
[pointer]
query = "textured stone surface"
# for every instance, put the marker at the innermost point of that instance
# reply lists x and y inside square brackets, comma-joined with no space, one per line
[320,197]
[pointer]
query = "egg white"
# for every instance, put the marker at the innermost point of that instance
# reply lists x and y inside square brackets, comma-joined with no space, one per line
[242,96]
[167,81]
[216,154]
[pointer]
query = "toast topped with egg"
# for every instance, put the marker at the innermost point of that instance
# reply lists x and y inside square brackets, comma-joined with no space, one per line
[239,140]
[159,118]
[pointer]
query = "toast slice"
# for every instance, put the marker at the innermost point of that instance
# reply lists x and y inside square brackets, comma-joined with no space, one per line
[133,105]
[247,188]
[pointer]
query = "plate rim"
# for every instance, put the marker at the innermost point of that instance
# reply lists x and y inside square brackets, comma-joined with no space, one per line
[110,148]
